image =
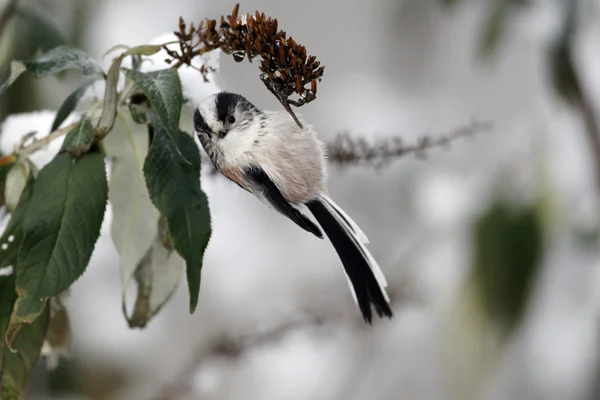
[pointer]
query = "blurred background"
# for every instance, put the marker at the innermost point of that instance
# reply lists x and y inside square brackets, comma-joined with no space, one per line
[491,247]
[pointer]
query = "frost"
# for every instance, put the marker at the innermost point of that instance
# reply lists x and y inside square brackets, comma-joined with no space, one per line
[17,126]
[6,271]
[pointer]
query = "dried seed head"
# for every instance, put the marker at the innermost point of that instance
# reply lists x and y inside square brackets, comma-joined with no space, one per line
[255,36]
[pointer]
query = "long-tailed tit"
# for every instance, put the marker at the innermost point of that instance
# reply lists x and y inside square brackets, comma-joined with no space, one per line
[269,155]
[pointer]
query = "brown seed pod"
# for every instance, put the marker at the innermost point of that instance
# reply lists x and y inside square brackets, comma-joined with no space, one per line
[257,36]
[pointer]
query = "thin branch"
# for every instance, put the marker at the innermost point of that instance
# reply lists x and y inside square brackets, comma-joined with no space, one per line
[346,150]
[227,346]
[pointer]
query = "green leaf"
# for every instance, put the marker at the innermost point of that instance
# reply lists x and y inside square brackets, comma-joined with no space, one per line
[70,103]
[12,236]
[174,187]
[42,32]
[134,224]
[16,367]
[508,246]
[495,27]
[115,48]
[163,90]
[62,223]
[111,98]
[80,138]
[58,59]
[7,300]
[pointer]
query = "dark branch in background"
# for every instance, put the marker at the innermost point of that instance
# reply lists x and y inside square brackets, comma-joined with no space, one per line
[285,66]
[232,347]
[346,150]
[569,86]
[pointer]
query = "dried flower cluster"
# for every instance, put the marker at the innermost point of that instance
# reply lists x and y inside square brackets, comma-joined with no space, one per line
[286,68]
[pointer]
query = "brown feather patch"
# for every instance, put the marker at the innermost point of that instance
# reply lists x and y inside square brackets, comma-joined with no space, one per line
[235,175]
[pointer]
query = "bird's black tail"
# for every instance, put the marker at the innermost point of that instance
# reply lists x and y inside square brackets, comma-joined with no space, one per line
[365,278]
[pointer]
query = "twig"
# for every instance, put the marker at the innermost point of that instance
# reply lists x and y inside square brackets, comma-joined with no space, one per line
[346,150]
[592,131]
[231,347]
[35,145]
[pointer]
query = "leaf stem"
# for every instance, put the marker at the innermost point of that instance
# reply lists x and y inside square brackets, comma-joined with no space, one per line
[39,143]
[7,13]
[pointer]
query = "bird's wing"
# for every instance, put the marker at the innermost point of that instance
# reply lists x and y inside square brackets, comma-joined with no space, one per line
[262,185]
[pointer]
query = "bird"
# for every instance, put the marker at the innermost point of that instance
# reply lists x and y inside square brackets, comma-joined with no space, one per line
[284,165]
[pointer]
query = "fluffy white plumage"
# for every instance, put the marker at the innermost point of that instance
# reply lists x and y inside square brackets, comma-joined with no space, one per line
[284,165]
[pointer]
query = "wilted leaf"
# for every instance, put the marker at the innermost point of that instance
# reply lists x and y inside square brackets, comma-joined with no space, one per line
[42,32]
[157,277]
[15,183]
[16,69]
[165,276]
[80,138]
[26,311]
[134,225]
[16,368]
[508,247]
[58,335]
[144,50]
[59,329]
[174,186]
[52,62]
[70,103]
[110,104]
[115,48]
[62,223]
[163,90]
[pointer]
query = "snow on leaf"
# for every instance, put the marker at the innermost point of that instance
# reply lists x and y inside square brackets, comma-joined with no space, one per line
[52,62]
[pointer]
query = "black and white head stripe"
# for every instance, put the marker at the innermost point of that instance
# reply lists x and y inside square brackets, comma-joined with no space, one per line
[200,124]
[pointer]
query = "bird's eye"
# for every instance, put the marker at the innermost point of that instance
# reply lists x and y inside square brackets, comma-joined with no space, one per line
[231,119]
